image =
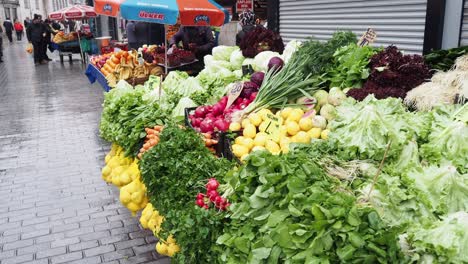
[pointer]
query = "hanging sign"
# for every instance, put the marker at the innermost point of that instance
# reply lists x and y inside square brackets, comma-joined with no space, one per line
[244,5]
[273,128]
[367,38]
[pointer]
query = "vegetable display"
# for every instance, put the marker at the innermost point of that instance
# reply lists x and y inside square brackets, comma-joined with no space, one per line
[319,177]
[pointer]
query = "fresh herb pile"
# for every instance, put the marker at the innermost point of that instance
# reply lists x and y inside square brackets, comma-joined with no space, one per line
[261,39]
[286,209]
[392,75]
[174,171]
[444,59]
[127,112]
[318,56]
[350,67]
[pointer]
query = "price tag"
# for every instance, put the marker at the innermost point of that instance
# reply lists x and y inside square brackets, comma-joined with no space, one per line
[273,128]
[367,38]
[141,61]
[234,93]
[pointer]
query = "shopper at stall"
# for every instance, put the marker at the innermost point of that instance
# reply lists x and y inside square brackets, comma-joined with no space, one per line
[47,39]
[36,33]
[247,22]
[19,30]
[131,36]
[8,29]
[141,33]
[199,40]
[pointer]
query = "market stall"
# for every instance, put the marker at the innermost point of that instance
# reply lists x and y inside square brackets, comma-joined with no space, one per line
[204,13]
[340,153]
[69,44]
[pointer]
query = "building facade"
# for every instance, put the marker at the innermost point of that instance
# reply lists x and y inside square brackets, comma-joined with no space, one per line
[20,9]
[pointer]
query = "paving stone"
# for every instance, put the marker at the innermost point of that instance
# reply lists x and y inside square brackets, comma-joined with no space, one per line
[66,258]
[55,206]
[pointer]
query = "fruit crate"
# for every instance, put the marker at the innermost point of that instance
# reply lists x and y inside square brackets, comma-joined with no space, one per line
[219,135]
[227,147]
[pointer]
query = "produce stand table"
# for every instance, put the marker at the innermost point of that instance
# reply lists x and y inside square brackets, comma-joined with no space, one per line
[67,49]
[94,74]
[182,67]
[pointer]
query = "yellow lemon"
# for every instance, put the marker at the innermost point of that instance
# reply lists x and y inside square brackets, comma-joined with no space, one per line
[161,248]
[285,141]
[239,140]
[260,139]
[239,150]
[255,119]
[285,149]
[248,142]
[235,126]
[302,137]
[264,125]
[305,124]
[286,112]
[264,113]
[272,146]
[244,157]
[292,128]
[245,122]
[258,148]
[171,240]
[315,132]
[324,134]
[250,131]
[172,249]
[296,115]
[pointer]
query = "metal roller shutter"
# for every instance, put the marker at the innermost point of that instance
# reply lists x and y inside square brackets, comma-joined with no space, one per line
[464,29]
[398,22]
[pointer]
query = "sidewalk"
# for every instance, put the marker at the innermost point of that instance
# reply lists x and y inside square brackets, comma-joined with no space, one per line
[55,208]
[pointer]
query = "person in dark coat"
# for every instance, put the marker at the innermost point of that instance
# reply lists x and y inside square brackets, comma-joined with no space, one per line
[36,33]
[47,39]
[155,34]
[27,22]
[1,44]
[8,29]
[247,22]
[199,40]
[141,33]
[131,37]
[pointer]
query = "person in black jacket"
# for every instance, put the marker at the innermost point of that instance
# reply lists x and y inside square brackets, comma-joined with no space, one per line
[247,21]
[8,29]
[36,33]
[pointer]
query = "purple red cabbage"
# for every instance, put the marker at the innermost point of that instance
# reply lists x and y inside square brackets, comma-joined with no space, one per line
[392,75]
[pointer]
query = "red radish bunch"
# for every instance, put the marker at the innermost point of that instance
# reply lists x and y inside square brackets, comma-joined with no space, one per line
[212,197]
[216,118]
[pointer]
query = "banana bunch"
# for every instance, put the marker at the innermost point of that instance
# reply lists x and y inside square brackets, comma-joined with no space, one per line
[167,248]
[133,196]
[139,71]
[129,174]
[112,79]
[151,219]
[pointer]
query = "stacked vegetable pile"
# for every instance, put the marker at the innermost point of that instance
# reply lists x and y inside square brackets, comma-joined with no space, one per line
[388,185]
[392,75]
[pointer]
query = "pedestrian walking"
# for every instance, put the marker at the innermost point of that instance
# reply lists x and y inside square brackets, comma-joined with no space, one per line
[36,33]
[8,29]
[19,30]
[27,22]
[1,44]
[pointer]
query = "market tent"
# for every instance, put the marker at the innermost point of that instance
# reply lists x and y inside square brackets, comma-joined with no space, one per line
[75,12]
[190,12]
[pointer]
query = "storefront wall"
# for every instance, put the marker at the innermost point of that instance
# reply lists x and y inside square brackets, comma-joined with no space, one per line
[398,22]
[464,27]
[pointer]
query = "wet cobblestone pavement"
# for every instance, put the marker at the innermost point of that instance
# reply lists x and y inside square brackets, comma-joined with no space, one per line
[54,206]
